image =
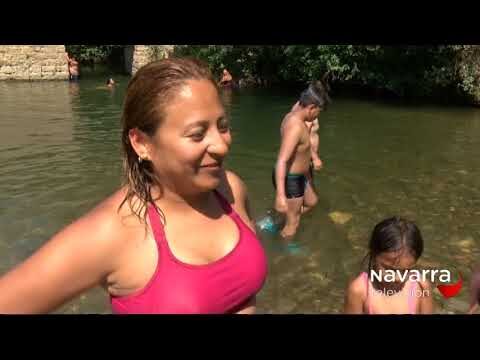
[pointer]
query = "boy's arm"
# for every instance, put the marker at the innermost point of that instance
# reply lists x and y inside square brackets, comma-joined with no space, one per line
[290,139]
[314,146]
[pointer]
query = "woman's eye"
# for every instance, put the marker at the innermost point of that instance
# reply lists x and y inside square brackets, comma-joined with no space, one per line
[197,136]
[224,125]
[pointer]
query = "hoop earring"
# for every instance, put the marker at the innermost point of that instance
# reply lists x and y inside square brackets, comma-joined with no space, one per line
[140,160]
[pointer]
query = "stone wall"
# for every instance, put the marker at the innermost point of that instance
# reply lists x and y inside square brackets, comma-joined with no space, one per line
[33,62]
[48,62]
[128,57]
[143,54]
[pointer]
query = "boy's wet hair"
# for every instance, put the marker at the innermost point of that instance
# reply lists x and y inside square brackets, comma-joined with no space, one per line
[395,234]
[316,94]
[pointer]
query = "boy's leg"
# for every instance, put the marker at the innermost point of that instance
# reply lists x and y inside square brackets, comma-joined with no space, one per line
[310,197]
[295,189]
[292,217]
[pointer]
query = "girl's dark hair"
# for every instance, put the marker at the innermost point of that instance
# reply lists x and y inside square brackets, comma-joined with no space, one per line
[316,94]
[394,234]
[149,92]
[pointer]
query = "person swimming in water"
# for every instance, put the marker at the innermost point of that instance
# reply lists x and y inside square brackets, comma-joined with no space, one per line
[395,244]
[109,85]
[292,176]
[227,80]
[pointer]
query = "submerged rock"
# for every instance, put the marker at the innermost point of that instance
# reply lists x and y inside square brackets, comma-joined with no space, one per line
[320,279]
[339,217]
[468,242]
[286,306]
[354,236]
[458,306]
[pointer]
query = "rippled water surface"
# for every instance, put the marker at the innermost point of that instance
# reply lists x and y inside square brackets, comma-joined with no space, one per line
[60,155]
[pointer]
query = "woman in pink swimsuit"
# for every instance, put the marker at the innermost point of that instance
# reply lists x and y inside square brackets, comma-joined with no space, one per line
[396,244]
[177,238]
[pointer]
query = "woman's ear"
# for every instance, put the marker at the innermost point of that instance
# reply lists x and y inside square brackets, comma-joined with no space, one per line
[140,143]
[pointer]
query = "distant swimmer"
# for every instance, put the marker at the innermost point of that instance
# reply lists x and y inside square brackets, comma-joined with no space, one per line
[73,68]
[227,80]
[109,85]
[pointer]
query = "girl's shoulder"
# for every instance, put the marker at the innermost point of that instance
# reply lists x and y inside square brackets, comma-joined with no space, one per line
[358,286]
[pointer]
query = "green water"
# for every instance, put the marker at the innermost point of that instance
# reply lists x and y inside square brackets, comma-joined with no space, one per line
[60,155]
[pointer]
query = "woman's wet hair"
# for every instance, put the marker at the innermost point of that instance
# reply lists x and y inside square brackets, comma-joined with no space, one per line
[316,94]
[394,234]
[149,92]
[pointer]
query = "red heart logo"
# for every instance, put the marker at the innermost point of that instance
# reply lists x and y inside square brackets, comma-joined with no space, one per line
[451,290]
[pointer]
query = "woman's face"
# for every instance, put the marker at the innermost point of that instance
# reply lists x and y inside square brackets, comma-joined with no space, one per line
[192,141]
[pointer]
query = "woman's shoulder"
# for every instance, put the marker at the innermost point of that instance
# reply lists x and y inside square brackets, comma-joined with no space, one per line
[232,188]
[95,239]
[109,220]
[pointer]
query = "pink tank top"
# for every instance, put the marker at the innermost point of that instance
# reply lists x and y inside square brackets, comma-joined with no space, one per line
[215,288]
[411,298]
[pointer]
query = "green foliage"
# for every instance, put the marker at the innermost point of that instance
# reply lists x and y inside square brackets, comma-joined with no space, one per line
[92,54]
[241,61]
[406,71]
[467,67]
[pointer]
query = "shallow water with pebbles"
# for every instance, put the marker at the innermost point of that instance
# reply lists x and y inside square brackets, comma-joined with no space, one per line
[60,155]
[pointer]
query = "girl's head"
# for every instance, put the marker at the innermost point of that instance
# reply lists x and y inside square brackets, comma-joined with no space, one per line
[395,244]
[175,132]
